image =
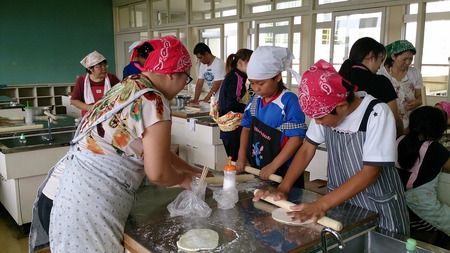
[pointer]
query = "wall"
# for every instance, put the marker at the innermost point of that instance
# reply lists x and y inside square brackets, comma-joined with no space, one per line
[43,41]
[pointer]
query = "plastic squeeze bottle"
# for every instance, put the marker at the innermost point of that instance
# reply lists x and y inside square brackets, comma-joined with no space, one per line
[229,175]
[411,246]
[28,114]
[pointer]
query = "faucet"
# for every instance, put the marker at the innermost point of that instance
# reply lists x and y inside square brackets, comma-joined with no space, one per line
[50,117]
[337,236]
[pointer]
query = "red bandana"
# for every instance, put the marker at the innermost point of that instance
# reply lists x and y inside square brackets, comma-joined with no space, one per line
[321,90]
[169,56]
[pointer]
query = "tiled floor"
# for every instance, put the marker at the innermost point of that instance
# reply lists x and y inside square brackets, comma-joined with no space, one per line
[11,240]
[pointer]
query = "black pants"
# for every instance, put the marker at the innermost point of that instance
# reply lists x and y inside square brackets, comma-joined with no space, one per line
[44,208]
[231,142]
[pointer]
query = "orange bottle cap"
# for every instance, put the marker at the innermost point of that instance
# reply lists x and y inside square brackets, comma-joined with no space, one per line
[229,167]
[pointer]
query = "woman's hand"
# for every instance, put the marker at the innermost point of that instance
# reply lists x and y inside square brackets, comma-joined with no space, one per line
[186,183]
[412,104]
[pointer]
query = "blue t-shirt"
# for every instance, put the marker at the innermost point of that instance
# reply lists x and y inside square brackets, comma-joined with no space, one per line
[285,108]
[131,69]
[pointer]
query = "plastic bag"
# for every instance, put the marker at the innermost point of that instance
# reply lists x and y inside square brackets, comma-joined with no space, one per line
[190,203]
[227,198]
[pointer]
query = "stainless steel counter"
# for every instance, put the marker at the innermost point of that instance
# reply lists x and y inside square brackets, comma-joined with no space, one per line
[247,227]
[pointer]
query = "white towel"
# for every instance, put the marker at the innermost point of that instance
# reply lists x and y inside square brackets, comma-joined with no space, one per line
[88,96]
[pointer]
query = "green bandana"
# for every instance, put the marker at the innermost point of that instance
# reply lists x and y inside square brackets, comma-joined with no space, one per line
[399,46]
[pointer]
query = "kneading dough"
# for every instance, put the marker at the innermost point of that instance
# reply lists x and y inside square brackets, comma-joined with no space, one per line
[281,216]
[198,239]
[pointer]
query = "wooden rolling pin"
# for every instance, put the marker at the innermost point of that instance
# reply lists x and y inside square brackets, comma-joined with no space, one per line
[255,171]
[239,178]
[324,221]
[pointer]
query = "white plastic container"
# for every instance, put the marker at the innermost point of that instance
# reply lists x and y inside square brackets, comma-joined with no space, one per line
[28,114]
[229,176]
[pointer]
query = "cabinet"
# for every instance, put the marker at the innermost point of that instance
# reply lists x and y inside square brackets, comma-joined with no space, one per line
[200,144]
[40,95]
[21,175]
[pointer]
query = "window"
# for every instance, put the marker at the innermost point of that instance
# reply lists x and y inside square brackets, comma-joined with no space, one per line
[133,16]
[436,46]
[287,4]
[204,9]
[351,27]
[330,1]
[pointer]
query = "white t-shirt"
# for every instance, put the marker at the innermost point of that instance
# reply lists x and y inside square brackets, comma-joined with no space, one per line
[379,146]
[214,72]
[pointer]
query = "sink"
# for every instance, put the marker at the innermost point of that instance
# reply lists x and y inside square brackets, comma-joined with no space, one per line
[373,242]
[36,141]
[205,120]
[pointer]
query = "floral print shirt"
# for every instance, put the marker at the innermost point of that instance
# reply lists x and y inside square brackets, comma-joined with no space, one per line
[405,89]
[121,135]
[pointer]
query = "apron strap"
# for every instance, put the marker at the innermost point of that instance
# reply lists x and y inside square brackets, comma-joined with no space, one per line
[363,125]
[289,125]
[253,106]
[284,126]
[107,115]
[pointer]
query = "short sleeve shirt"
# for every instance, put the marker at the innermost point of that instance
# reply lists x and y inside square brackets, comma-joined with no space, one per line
[379,146]
[121,135]
[214,72]
[284,109]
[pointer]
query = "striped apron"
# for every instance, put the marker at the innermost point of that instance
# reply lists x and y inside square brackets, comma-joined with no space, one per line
[385,196]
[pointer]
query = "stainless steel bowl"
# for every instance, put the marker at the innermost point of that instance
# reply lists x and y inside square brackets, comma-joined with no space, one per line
[181,100]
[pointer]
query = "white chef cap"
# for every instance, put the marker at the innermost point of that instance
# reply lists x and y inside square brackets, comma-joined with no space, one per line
[132,46]
[92,59]
[267,61]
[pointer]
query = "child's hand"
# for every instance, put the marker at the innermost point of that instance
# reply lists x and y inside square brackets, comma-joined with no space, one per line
[240,165]
[266,171]
[276,193]
[308,211]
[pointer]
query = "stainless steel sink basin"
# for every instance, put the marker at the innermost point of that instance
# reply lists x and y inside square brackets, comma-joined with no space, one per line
[36,141]
[205,120]
[373,242]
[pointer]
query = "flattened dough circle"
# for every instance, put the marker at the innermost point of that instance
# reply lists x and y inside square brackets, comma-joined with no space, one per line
[281,216]
[198,239]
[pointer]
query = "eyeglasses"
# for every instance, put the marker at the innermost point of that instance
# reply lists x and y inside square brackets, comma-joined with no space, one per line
[188,79]
[100,66]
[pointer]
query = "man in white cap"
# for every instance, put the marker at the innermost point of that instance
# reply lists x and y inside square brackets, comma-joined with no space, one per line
[90,87]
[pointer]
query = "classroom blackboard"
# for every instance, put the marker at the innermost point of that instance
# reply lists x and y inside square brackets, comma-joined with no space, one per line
[44,41]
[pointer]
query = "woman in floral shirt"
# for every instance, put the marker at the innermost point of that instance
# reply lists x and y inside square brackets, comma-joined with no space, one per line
[407,80]
[122,139]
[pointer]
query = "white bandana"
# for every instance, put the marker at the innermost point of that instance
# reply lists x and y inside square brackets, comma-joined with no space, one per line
[92,59]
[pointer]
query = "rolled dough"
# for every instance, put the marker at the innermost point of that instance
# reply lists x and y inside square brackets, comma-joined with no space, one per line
[280,215]
[198,239]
